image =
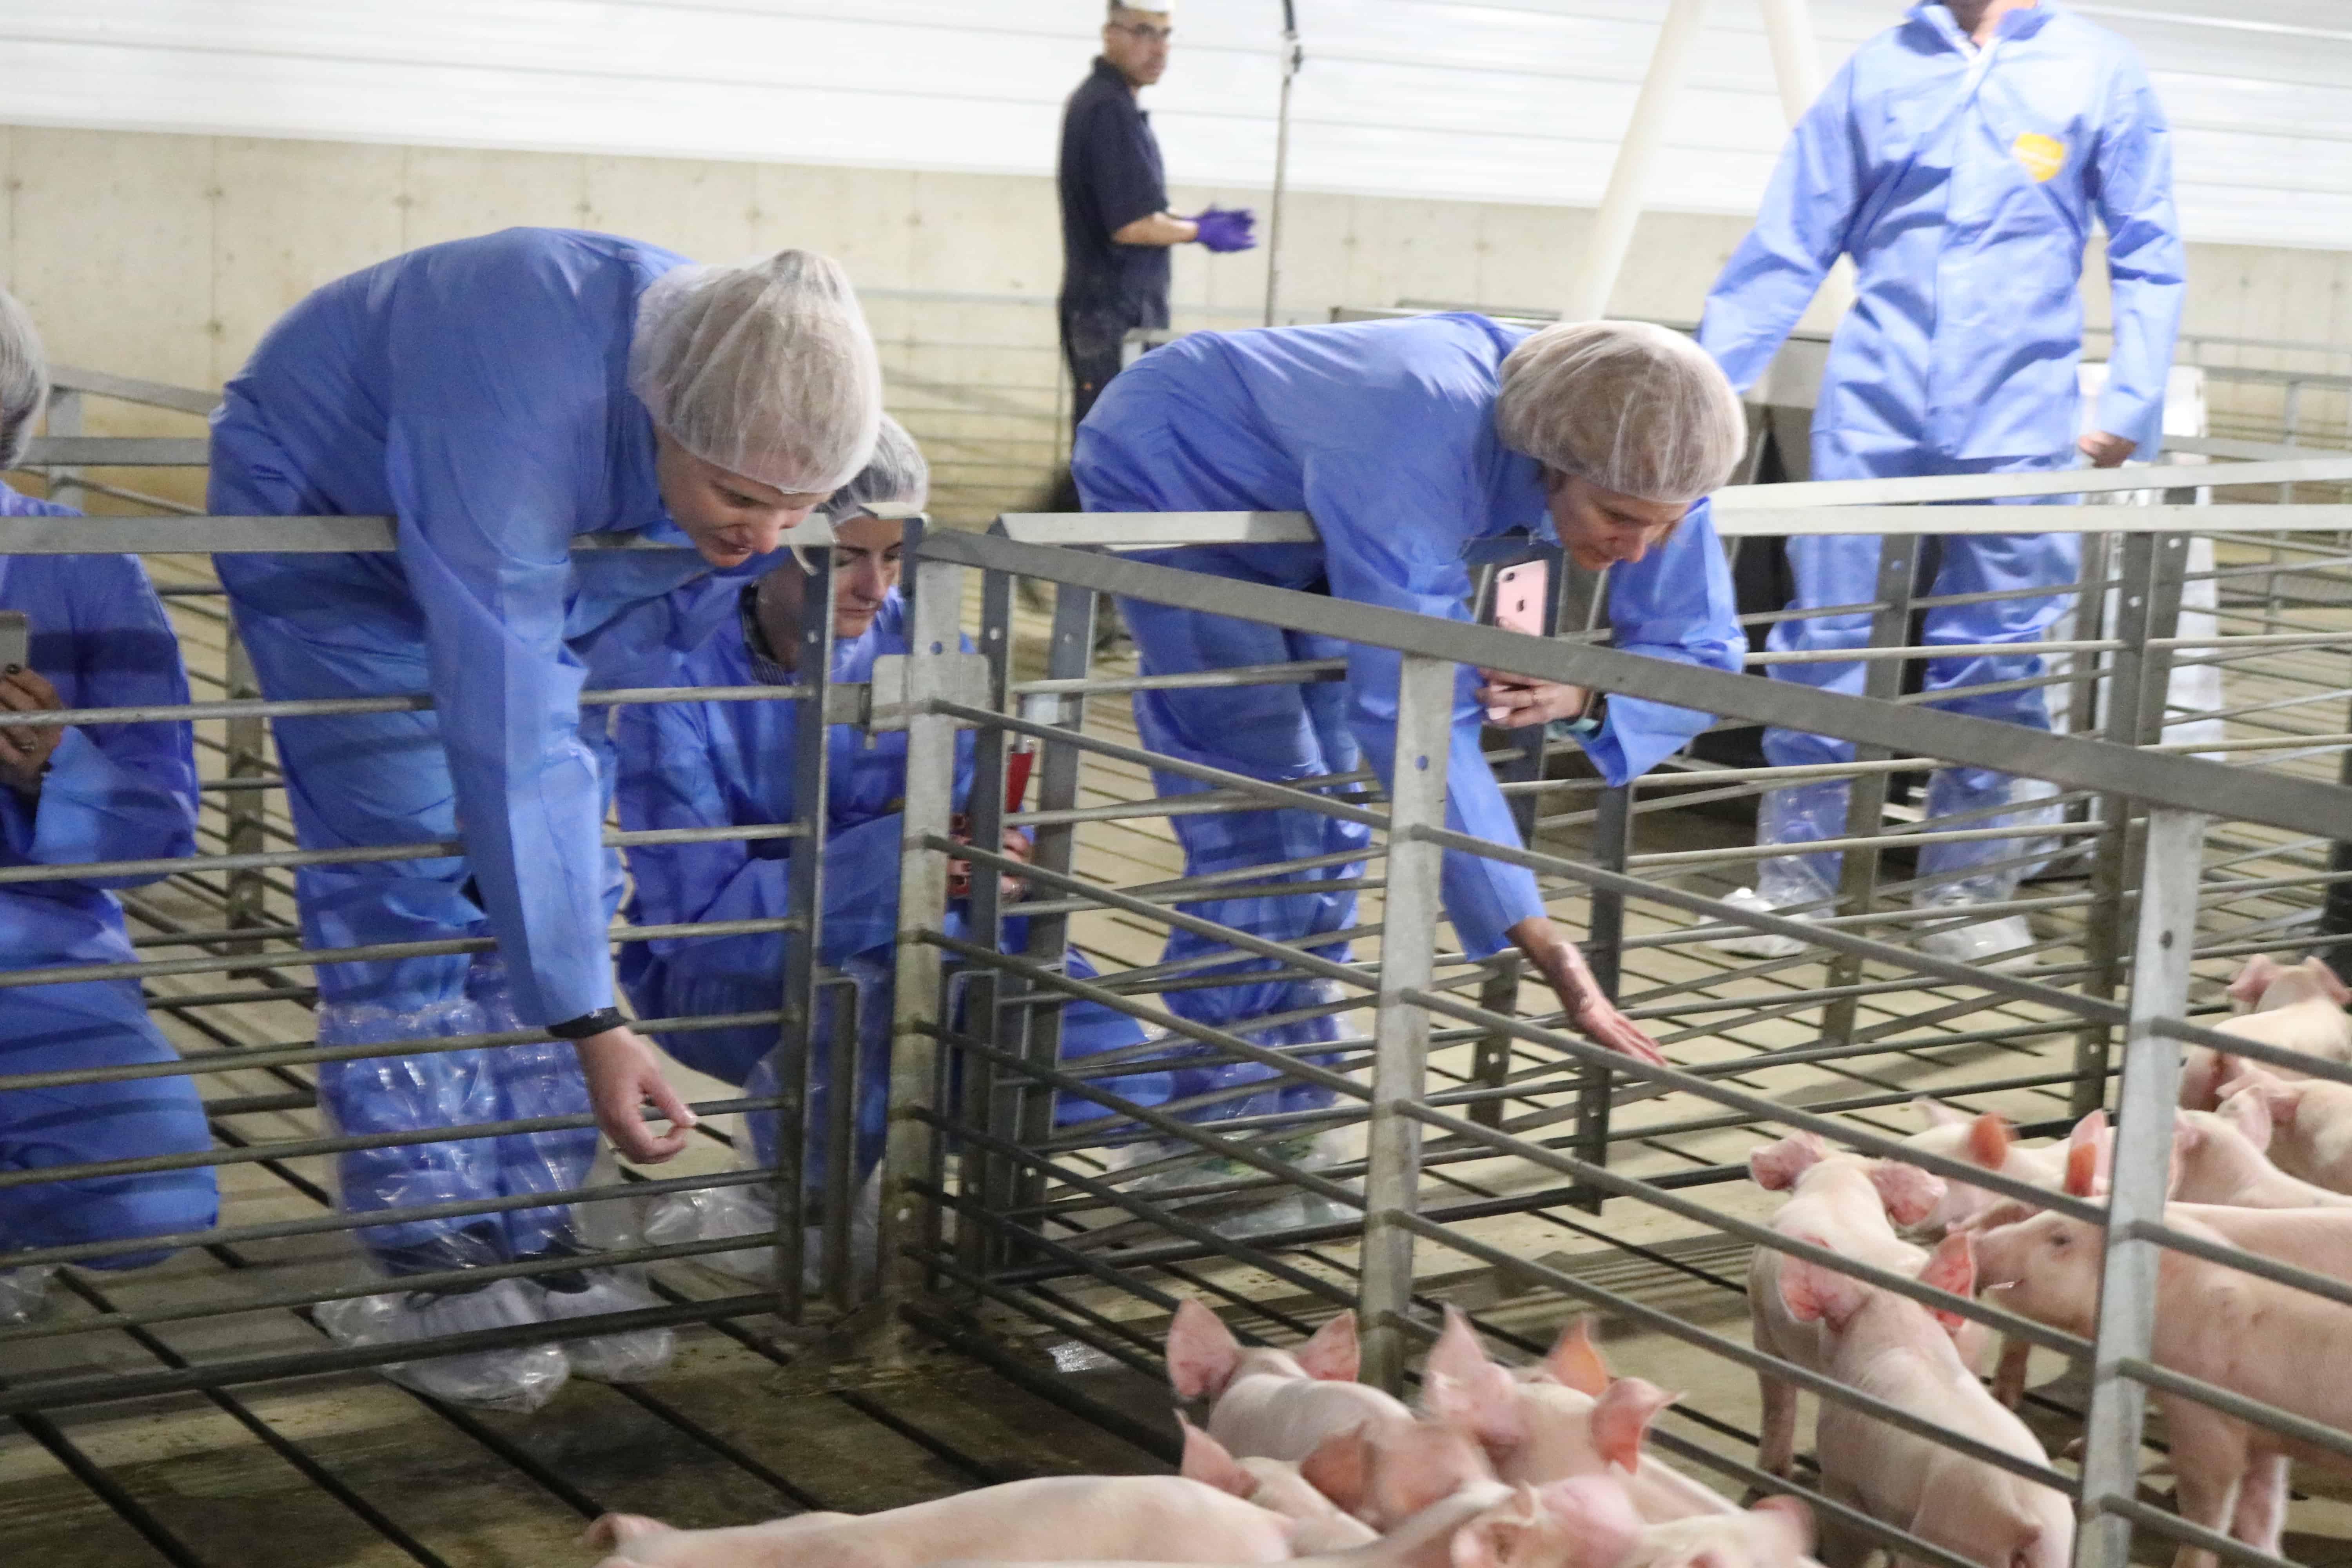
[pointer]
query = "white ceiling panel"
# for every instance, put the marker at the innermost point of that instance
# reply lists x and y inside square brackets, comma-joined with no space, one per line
[1518,100]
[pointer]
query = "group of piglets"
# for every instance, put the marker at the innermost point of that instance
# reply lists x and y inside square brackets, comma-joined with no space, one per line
[2262,1161]
[1298,1462]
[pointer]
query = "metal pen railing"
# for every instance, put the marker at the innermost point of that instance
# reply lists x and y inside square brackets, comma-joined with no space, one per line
[1085,1236]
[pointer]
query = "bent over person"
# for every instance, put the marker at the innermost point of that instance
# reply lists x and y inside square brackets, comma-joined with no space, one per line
[700,765]
[80,794]
[502,398]
[1406,441]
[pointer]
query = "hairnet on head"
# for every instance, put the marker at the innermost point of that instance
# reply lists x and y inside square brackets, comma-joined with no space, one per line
[1629,406]
[896,476]
[766,370]
[23,379]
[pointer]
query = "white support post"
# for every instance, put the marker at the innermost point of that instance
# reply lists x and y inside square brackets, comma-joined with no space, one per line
[1629,182]
[2172,861]
[1797,69]
[1401,1035]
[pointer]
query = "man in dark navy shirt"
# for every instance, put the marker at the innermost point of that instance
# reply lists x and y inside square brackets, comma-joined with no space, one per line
[1115,225]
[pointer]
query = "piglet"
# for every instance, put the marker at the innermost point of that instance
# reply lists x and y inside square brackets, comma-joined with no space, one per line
[1893,1348]
[2304,1125]
[2260,1339]
[1987,1140]
[1850,1205]
[1583,1523]
[1277,1485]
[1568,1417]
[1053,1518]
[1276,1403]
[2297,1009]
[2214,1161]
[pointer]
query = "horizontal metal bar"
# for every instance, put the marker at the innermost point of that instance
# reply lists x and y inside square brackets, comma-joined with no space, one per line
[1806,495]
[131,389]
[1914,522]
[2172,1527]
[211,535]
[117,452]
[2315,1434]
[408,702]
[1159,529]
[1305,671]
[2296,805]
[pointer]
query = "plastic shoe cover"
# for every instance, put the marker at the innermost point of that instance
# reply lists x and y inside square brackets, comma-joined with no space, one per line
[1981,943]
[720,1214]
[629,1357]
[23,1291]
[1794,816]
[1756,944]
[519,1380]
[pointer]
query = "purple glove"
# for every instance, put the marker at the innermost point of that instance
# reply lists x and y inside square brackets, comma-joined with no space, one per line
[1223,230]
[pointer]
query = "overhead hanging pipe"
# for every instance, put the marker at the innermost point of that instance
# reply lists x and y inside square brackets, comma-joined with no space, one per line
[1293,57]
[1629,181]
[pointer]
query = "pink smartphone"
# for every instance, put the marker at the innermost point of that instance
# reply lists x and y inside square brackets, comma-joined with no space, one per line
[1520,593]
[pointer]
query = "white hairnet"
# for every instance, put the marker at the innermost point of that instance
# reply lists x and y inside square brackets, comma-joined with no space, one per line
[894,476]
[1629,407]
[24,380]
[766,370]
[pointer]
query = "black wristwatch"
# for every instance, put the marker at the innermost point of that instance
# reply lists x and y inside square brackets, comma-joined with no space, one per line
[588,1024]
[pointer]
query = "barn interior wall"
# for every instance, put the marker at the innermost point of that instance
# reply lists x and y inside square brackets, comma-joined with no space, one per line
[167,256]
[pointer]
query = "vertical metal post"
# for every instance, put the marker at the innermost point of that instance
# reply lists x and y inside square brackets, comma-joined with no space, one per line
[797,1048]
[997,1098]
[2162,948]
[909,1224]
[1293,57]
[2148,606]
[1613,847]
[65,418]
[1890,627]
[1401,1037]
[249,747]
[2090,621]
[1491,1064]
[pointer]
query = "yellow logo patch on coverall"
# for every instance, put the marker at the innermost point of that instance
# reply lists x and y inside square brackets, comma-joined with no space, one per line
[2043,156]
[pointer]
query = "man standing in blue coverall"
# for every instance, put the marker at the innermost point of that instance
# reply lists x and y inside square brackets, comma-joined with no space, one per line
[501,397]
[1407,441]
[84,794]
[1959,158]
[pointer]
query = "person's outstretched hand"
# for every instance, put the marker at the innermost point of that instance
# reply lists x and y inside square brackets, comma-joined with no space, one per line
[2105,450]
[1589,1009]
[623,1075]
[1224,230]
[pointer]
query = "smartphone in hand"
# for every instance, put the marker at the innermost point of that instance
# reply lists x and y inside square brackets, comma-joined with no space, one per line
[15,640]
[1521,593]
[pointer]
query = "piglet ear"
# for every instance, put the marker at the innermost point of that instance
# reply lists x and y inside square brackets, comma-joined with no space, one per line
[612,1530]
[1937,1113]
[1202,1353]
[2082,1169]
[1775,1167]
[1952,1266]
[2255,979]
[1575,1362]
[1908,1193]
[1210,1462]
[1622,1417]
[2329,981]
[1333,1354]
[2248,1110]
[1457,1353]
[1483,1405]
[1988,1140]
[1340,1468]
[1594,1512]
[1814,1294]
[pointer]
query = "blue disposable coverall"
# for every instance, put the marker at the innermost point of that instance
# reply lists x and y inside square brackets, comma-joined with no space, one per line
[717,764]
[1963,182]
[478,392]
[1384,432]
[113,791]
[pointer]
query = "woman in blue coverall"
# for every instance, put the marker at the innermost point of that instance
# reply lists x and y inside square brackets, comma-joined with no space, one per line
[501,397]
[1960,159]
[718,764]
[84,794]
[1407,441]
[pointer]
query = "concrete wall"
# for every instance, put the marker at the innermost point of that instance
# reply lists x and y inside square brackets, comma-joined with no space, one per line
[166,255]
